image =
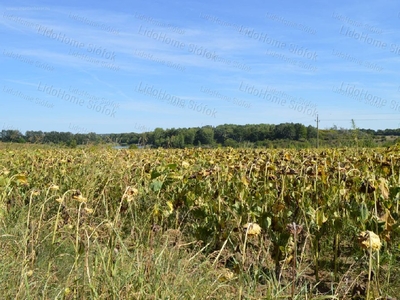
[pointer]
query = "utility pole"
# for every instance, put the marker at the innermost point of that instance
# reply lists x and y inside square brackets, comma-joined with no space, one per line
[317,120]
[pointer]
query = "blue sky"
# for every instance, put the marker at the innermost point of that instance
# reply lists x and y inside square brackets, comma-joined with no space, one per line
[132,66]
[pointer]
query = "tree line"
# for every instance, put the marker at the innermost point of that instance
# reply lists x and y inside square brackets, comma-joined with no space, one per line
[229,135]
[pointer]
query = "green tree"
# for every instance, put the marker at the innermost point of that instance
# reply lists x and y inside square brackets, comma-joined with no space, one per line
[189,136]
[311,132]
[12,135]
[158,137]
[301,131]
[204,136]
[35,137]
[178,141]
[230,143]
[285,131]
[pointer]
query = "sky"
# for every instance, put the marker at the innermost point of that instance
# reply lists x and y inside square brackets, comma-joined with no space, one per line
[133,66]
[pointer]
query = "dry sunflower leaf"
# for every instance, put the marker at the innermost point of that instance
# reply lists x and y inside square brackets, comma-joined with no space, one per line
[170,206]
[21,178]
[383,186]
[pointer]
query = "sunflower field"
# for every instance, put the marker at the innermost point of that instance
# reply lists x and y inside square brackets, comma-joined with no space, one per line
[101,223]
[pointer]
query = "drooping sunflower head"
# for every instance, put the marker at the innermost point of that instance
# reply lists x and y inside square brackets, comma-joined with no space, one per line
[369,240]
[252,229]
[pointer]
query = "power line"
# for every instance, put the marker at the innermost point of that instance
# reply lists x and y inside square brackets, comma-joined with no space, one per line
[384,119]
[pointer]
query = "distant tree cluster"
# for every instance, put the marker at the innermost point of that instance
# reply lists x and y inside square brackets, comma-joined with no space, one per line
[292,135]
[52,137]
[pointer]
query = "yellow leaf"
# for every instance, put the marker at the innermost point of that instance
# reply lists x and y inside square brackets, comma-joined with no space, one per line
[170,206]
[388,219]
[156,210]
[288,259]
[174,176]
[386,170]
[21,178]
[320,218]
[245,181]
[384,188]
